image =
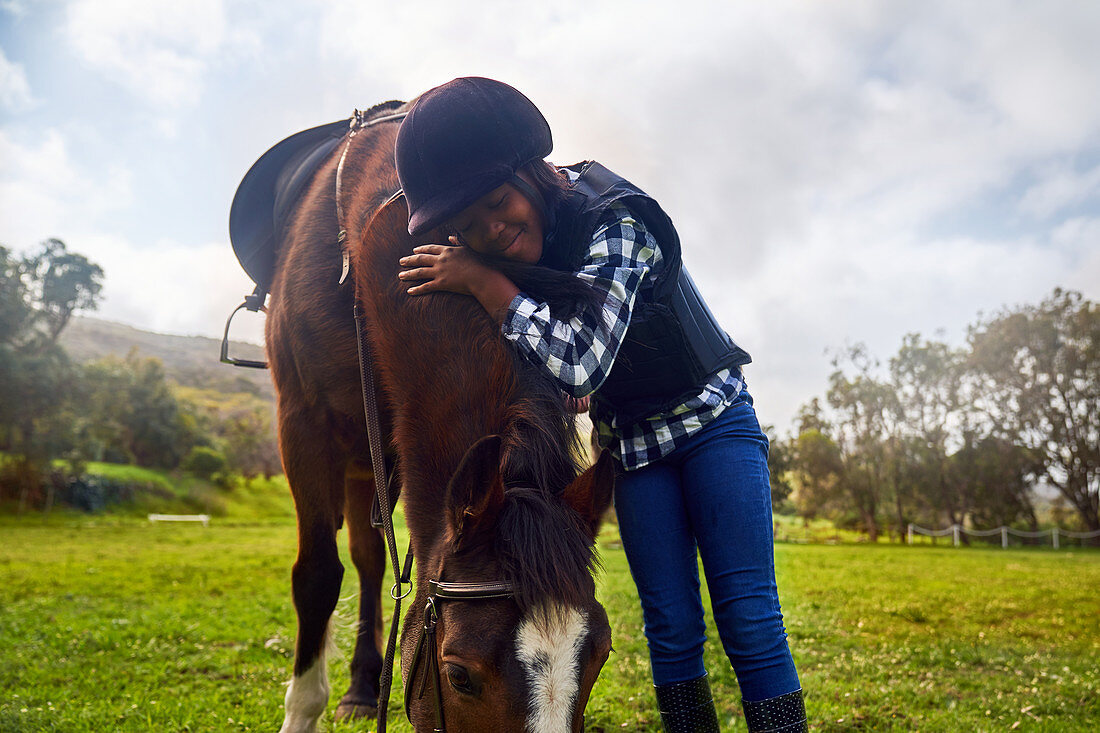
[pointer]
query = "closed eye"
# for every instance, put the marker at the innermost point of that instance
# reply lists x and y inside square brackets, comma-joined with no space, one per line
[498,203]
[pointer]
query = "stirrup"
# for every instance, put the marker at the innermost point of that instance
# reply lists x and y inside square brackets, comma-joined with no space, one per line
[254,303]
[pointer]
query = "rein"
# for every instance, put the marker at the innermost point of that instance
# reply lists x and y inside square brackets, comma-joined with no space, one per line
[374,427]
[438,591]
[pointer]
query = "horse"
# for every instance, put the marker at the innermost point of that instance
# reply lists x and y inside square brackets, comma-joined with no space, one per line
[483,447]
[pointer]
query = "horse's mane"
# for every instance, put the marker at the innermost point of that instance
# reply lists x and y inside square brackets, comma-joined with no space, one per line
[544,550]
[543,546]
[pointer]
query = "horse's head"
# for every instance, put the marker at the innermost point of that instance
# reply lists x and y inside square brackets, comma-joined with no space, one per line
[523,650]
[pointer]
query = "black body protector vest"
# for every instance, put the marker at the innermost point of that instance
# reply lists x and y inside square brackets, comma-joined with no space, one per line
[673,343]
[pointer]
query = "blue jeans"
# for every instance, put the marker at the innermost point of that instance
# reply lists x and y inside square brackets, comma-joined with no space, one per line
[710,494]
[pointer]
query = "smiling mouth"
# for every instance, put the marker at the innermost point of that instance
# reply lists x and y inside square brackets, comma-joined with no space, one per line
[514,240]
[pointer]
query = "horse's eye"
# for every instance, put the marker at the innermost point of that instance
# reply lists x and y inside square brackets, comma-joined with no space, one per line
[460,680]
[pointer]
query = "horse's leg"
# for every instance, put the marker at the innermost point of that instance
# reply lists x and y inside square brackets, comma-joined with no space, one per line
[314,466]
[369,555]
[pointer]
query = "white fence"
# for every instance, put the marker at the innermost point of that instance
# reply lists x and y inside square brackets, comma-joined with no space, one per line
[204,518]
[957,530]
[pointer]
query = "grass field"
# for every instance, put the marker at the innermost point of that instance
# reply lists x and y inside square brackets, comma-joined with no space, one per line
[114,624]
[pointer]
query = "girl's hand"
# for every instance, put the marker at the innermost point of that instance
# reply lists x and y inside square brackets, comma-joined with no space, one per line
[443,268]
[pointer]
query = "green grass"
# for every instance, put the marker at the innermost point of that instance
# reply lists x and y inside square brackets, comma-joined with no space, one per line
[243,499]
[115,624]
[237,498]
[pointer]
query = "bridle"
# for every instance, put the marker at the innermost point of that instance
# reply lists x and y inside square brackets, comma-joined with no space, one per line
[427,651]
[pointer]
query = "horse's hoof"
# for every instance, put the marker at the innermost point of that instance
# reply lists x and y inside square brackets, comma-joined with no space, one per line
[356,711]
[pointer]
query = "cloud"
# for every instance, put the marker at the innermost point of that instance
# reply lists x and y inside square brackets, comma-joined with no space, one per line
[44,192]
[799,308]
[838,172]
[161,283]
[1059,187]
[162,52]
[1077,241]
[15,8]
[172,287]
[15,92]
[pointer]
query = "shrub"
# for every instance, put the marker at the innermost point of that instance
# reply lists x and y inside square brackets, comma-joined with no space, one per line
[96,493]
[204,462]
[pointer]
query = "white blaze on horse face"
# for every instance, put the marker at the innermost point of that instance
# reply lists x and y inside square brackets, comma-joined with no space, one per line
[548,645]
[306,698]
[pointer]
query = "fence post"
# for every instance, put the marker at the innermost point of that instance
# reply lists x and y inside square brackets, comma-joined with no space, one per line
[1054,536]
[1004,538]
[955,533]
[909,535]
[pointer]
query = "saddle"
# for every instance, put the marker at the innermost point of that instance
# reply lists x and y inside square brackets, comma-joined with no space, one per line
[268,192]
[266,196]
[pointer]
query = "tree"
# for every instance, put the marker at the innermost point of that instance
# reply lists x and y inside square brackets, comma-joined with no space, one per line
[204,462]
[1040,376]
[60,283]
[925,379]
[998,475]
[132,414]
[239,425]
[16,312]
[818,474]
[779,464]
[862,405]
[38,295]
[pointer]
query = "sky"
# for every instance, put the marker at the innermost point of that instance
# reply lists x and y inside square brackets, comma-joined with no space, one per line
[840,172]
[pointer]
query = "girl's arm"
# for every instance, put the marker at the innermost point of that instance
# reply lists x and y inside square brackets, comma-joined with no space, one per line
[579,352]
[456,269]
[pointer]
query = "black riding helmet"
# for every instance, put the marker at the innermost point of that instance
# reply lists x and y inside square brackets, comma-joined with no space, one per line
[461,140]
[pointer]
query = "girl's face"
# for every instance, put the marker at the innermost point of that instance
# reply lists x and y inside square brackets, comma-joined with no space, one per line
[502,223]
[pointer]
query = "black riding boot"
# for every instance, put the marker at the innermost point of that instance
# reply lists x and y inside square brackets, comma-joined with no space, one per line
[783,714]
[687,707]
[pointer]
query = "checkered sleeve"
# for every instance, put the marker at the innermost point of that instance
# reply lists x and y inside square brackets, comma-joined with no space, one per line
[579,352]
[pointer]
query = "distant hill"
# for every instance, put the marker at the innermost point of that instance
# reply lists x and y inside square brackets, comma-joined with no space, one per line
[190,360]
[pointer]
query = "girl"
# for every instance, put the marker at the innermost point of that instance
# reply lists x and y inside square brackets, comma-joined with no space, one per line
[668,396]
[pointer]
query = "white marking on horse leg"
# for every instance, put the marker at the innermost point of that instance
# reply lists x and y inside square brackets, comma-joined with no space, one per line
[548,645]
[307,697]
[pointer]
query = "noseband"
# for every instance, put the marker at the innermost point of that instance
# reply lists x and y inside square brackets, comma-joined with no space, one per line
[439,591]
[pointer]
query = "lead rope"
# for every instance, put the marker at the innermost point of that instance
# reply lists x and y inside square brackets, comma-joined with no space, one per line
[374,429]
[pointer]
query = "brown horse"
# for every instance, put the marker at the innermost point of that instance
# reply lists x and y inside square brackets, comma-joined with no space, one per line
[484,449]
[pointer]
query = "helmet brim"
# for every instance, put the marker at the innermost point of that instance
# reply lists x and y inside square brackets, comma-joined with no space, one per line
[450,202]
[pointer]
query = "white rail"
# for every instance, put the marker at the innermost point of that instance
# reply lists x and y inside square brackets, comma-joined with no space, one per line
[204,518]
[956,530]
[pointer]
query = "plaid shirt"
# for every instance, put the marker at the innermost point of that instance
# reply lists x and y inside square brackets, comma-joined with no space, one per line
[622,260]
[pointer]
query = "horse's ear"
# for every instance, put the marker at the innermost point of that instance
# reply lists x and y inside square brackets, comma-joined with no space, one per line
[590,493]
[475,493]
